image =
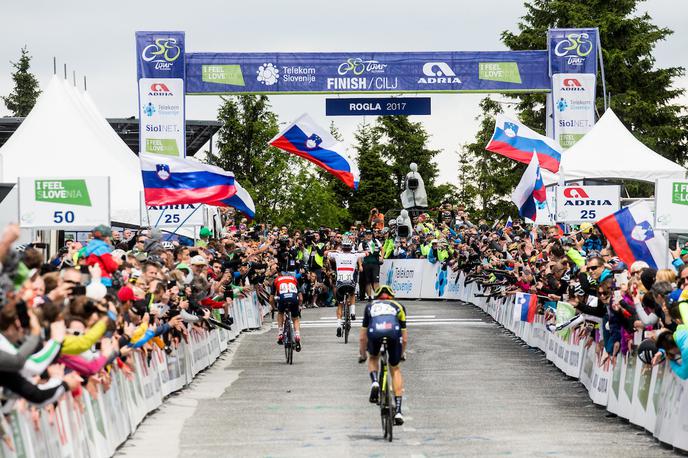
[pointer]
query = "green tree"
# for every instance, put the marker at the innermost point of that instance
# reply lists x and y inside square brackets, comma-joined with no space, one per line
[265,172]
[491,177]
[642,95]
[23,97]
[403,142]
[377,189]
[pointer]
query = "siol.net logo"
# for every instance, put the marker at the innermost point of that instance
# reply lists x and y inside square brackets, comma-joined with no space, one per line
[72,192]
[438,73]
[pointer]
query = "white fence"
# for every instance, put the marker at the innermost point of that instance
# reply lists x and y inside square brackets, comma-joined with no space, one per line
[95,426]
[652,398]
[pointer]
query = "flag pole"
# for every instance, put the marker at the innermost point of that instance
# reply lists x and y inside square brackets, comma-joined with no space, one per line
[185,220]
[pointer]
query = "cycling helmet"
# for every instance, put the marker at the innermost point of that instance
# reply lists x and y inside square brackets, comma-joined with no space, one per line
[384,289]
[647,350]
[346,244]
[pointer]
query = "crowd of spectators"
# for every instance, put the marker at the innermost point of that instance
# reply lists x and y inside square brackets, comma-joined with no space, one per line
[66,321]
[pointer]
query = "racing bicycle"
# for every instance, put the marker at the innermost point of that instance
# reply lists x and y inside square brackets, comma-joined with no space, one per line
[347,317]
[288,336]
[386,397]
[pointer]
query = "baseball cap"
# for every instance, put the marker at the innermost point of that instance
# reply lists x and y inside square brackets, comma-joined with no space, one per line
[198,260]
[647,350]
[204,232]
[182,266]
[586,228]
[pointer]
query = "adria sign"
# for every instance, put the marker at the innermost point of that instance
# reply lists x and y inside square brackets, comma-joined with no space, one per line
[577,204]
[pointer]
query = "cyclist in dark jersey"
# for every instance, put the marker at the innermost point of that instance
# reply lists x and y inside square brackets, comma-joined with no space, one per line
[382,318]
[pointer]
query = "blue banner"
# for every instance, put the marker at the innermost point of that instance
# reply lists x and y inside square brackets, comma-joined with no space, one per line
[160,54]
[572,51]
[160,70]
[377,106]
[383,72]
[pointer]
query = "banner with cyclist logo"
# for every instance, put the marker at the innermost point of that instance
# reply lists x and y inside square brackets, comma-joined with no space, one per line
[572,50]
[161,73]
[344,72]
[574,106]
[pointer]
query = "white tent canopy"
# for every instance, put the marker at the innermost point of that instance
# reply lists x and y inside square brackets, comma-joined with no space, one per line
[610,150]
[64,135]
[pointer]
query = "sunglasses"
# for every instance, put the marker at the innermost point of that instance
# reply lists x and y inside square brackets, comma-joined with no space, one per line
[593,267]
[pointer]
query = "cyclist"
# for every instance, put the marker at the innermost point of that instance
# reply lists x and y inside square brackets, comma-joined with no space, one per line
[346,273]
[287,295]
[384,317]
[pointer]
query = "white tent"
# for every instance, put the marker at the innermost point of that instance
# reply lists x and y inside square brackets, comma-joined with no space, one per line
[65,136]
[610,150]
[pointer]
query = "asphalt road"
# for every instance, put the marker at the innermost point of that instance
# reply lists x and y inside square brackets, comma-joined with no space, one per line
[471,390]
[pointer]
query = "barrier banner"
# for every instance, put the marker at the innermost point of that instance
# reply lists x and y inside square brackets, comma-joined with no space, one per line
[404,276]
[161,71]
[354,72]
[439,282]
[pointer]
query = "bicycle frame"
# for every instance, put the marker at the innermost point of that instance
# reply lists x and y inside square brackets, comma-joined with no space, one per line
[386,397]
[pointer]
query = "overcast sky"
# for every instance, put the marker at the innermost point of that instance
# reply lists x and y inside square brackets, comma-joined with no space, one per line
[96,39]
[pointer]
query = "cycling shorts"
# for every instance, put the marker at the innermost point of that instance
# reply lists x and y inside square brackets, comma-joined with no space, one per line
[393,345]
[343,289]
[292,304]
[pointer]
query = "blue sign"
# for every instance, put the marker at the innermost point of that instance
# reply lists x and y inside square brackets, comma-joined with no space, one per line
[378,106]
[160,54]
[379,72]
[572,50]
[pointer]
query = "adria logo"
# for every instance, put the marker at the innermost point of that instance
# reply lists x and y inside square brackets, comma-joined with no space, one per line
[438,73]
[571,84]
[575,193]
[160,89]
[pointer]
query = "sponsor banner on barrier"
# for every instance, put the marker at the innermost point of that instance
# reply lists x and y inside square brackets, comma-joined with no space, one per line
[574,106]
[439,282]
[64,203]
[161,73]
[404,276]
[578,204]
[352,72]
[671,201]
[572,50]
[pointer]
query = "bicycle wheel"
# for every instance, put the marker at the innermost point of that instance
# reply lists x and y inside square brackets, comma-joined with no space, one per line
[389,394]
[292,342]
[347,319]
[287,338]
[382,399]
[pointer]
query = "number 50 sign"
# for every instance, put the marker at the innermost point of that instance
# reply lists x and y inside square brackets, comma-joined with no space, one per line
[64,203]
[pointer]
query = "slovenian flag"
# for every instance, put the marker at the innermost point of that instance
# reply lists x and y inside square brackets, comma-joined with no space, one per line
[306,139]
[509,223]
[631,234]
[526,306]
[530,194]
[516,141]
[241,201]
[169,180]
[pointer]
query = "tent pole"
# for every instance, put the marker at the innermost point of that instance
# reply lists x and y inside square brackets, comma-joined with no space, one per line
[54,65]
[84,83]
[65,70]
[604,82]
[74,77]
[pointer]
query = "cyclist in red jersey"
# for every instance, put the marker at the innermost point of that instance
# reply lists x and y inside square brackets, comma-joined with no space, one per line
[287,295]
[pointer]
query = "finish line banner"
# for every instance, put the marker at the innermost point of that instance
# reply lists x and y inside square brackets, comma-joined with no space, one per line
[391,72]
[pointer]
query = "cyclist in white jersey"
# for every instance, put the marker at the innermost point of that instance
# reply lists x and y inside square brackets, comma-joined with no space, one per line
[347,264]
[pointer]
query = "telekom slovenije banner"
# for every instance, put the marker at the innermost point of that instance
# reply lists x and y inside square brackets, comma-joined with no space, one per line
[352,72]
[161,74]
